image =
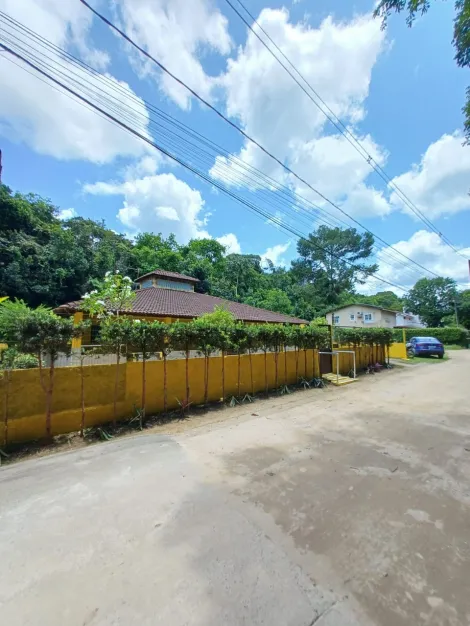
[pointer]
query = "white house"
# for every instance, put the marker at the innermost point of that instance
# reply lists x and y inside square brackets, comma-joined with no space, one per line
[362,316]
[408,320]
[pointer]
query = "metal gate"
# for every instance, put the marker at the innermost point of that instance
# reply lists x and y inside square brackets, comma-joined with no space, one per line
[326,363]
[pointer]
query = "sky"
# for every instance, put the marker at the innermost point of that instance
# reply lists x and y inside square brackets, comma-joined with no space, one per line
[397,90]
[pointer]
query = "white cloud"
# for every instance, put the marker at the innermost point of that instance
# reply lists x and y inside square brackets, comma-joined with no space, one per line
[337,60]
[426,248]
[439,184]
[147,165]
[334,167]
[231,243]
[48,120]
[274,254]
[176,33]
[66,214]
[157,203]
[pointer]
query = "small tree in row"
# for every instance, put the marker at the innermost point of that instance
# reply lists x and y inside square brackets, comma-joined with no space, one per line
[41,333]
[109,302]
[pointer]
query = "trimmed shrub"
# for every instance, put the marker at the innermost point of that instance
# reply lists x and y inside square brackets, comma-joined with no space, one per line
[447,335]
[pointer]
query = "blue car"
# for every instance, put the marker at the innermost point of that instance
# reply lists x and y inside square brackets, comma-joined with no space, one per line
[425,346]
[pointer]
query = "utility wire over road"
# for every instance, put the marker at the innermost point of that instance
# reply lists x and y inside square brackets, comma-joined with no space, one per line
[334,119]
[202,175]
[232,124]
[178,138]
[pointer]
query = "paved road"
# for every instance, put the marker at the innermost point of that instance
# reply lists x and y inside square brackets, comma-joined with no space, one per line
[341,507]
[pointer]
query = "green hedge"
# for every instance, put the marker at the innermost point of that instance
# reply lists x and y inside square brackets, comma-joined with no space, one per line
[447,335]
[207,336]
[364,336]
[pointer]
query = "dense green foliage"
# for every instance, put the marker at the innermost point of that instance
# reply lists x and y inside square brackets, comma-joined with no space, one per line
[461,39]
[11,359]
[464,308]
[44,260]
[448,335]
[39,333]
[432,299]
[365,336]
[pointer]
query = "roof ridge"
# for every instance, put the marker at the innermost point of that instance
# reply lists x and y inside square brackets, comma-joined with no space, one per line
[159,272]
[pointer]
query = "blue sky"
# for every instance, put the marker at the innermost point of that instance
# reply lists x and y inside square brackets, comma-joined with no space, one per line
[399,91]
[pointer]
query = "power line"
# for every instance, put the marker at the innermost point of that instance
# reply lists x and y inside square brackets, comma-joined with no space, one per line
[292,197]
[175,137]
[208,179]
[226,119]
[337,123]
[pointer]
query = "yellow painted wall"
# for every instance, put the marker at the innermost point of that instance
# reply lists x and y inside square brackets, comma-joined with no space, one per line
[22,399]
[364,356]
[398,351]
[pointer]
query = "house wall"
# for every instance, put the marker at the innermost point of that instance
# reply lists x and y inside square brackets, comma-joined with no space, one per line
[167,283]
[380,318]
[409,320]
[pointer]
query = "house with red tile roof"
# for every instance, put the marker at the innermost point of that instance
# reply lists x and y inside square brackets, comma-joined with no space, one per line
[170,297]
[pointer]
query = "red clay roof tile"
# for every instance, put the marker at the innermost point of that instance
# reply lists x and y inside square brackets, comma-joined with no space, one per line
[163,302]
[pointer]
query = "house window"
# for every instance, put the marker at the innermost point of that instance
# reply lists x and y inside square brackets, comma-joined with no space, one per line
[352,317]
[146,283]
[335,319]
[368,317]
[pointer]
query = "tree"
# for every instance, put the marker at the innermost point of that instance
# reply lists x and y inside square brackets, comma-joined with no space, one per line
[241,342]
[464,308]
[220,322]
[146,337]
[154,251]
[113,298]
[206,344]
[432,299]
[44,334]
[272,300]
[331,260]
[242,276]
[384,299]
[265,342]
[183,337]
[115,332]
[461,39]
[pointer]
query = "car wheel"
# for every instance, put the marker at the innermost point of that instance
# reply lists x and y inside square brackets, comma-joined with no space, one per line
[440,356]
[410,353]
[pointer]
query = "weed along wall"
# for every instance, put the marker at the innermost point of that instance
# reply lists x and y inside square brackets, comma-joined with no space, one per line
[22,399]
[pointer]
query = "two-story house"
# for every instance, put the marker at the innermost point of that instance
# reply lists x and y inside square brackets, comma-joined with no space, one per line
[362,316]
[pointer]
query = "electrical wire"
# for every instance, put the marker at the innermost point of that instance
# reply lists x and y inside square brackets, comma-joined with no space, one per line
[221,115]
[210,180]
[385,252]
[337,123]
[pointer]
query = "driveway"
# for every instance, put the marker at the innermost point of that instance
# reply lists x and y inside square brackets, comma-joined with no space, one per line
[337,507]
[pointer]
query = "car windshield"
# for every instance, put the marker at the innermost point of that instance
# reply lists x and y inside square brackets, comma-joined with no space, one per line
[426,340]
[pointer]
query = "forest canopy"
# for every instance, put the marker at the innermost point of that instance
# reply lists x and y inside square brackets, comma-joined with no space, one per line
[49,261]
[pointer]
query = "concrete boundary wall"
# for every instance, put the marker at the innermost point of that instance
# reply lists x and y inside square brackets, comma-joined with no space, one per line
[22,399]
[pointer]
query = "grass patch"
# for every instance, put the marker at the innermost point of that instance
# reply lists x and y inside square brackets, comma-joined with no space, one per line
[454,346]
[428,359]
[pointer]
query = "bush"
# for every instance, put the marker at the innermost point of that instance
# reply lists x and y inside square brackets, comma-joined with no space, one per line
[14,360]
[447,335]
[25,362]
[365,336]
